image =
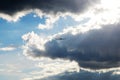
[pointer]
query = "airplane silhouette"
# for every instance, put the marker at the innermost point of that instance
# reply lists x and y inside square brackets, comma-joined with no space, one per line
[60,38]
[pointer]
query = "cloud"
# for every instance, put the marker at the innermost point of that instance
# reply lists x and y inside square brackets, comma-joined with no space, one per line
[53,6]
[14,17]
[46,67]
[54,67]
[94,48]
[83,75]
[50,20]
[93,44]
[99,14]
[14,10]
[9,48]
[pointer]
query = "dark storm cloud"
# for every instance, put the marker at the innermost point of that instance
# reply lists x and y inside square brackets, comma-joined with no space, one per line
[95,49]
[13,6]
[83,75]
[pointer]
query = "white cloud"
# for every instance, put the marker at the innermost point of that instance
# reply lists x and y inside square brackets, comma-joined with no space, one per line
[52,67]
[34,39]
[106,12]
[48,22]
[116,72]
[50,19]
[9,48]
[15,17]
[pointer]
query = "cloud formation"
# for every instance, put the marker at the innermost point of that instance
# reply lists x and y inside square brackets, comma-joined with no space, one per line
[83,75]
[54,6]
[95,49]
[94,44]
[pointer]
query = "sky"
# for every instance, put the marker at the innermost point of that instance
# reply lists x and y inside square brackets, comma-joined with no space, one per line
[60,40]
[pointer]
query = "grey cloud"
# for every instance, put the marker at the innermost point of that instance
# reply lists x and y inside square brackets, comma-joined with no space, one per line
[83,75]
[95,49]
[12,6]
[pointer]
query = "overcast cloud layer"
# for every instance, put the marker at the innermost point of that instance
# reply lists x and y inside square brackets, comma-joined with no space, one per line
[11,7]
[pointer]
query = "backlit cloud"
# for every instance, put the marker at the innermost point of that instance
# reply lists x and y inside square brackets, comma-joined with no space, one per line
[96,48]
[53,6]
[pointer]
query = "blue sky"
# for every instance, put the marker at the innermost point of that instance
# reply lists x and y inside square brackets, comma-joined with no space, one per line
[54,40]
[12,31]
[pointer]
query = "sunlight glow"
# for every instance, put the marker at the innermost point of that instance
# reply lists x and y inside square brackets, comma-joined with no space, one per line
[110,4]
